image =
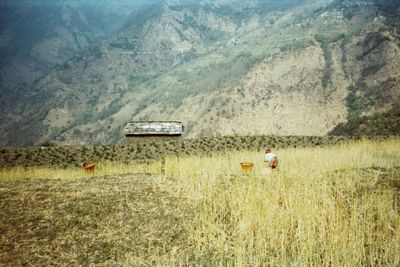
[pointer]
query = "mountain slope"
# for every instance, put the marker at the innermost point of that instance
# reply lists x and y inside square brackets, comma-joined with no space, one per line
[39,35]
[299,69]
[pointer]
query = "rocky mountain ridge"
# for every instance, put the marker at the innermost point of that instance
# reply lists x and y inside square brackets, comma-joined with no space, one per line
[287,70]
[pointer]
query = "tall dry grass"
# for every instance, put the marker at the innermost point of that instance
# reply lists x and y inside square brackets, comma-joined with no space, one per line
[326,206]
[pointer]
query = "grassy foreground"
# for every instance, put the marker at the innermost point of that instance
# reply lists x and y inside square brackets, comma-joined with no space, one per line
[336,205]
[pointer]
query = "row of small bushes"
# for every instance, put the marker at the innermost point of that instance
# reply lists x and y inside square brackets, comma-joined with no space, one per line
[150,150]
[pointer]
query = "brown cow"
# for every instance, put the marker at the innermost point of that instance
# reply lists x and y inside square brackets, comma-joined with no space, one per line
[88,167]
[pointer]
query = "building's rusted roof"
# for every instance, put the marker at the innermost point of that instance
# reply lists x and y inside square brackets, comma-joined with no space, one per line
[151,128]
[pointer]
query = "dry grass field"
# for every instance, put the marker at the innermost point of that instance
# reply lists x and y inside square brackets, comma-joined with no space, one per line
[333,205]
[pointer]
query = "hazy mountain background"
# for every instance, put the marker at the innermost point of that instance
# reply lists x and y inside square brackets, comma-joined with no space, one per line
[76,71]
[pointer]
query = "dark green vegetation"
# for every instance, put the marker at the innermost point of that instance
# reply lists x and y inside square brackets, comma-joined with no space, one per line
[65,156]
[378,124]
[104,220]
[325,42]
[360,97]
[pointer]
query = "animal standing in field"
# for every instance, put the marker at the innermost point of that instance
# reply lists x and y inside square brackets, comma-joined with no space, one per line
[88,167]
[271,159]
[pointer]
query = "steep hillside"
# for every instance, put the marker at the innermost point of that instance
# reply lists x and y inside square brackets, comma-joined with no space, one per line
[36,36]
[222,68]
[378,124]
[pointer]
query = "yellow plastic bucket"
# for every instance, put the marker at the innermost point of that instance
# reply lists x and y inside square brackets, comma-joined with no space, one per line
[246,166]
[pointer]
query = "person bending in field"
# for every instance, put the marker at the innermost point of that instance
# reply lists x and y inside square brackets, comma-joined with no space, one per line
[271,159]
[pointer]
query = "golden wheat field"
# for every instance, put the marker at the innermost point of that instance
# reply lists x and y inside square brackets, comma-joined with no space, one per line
[335,205]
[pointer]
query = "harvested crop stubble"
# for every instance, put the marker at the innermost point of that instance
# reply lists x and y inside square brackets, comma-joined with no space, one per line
[105,220]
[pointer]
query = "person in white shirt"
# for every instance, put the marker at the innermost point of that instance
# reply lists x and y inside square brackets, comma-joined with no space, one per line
[271,159]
